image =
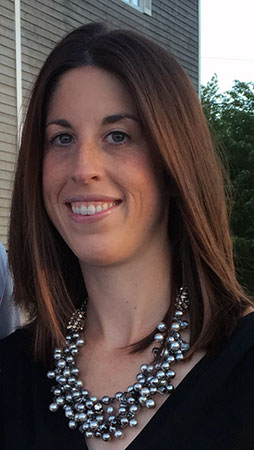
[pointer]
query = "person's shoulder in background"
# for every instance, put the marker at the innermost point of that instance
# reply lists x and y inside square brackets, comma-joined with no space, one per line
[9,313]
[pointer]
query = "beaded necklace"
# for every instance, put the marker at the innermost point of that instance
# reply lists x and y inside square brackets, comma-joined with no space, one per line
[106,417]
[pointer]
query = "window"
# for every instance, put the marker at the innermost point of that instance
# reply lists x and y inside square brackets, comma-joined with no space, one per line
[144,6]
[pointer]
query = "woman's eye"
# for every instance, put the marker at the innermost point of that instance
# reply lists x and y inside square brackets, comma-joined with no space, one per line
[62,139]
[117,137]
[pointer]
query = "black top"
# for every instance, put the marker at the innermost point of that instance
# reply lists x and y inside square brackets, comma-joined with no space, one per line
[211,409]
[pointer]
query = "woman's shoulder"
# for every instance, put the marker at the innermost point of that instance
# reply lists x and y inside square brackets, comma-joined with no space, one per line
[242,338]
[17,346]
[237,352]
[17,361]
[245,326]
[20,336]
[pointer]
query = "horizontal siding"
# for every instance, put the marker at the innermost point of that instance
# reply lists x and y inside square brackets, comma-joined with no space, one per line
[7,119]
[7,153]
[9,166]
[5,185]
[7,112]
[5,194]
[173,24]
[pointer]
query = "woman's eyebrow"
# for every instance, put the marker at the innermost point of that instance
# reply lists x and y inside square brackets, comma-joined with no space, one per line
[116,117]
[62,122]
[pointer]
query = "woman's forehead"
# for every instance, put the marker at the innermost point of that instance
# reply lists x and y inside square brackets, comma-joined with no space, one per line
[91,90]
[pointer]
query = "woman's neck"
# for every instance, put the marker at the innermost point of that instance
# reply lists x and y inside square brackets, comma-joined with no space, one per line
[127,300]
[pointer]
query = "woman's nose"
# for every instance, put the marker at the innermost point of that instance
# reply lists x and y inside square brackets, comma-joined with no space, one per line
[88,164]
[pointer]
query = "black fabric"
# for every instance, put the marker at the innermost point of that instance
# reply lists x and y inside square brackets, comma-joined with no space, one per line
[211,409]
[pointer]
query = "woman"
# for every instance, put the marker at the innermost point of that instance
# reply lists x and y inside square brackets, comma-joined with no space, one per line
[118,238]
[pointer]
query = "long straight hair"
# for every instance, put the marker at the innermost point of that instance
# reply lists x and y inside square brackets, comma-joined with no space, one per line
[47,275]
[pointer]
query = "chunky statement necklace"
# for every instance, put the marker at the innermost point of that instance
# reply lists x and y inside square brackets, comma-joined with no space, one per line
[106,417]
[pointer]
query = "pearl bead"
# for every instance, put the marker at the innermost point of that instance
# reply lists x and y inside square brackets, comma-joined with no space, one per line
[160,374]
[57,392]
[118,396]
[150,403]
[170,388]
[144,368]
[142,400]
[137,386]
[165,366]
[170,374]
[124,422]
[133,423]
[158,337]
[80,342]
[62,380]
[69,414]
[51,374]
[154,381]
[106,437]
[72,424]
[134,409]
[89,404]
[60,401]
[82,417]
[69,359]
[175,326]
[175,346]
[98,407]
[66,372]
[80,407]
[89,434]
[110,409]
[118,434]
[122,411]
[94,425]
[145,392]
[53,407]
[161,327]
[171,359]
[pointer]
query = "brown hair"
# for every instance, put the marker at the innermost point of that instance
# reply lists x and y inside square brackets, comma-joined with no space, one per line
[48,279]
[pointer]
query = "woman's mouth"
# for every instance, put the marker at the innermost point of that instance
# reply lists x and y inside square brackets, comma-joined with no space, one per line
[92,208]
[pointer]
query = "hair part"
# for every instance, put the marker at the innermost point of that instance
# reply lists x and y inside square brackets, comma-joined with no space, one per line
[48,282]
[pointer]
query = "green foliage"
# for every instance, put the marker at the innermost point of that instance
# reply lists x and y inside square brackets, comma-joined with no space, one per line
[230,116]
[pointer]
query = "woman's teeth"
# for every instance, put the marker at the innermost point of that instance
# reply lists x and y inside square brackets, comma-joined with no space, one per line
[89,209]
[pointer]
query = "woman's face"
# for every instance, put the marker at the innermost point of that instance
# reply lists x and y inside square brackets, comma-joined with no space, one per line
[100,188]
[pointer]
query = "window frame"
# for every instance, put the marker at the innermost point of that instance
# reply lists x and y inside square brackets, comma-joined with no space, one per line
[145,6]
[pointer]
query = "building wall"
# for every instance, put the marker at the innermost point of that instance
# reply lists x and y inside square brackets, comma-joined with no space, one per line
[7,111]
[173,24]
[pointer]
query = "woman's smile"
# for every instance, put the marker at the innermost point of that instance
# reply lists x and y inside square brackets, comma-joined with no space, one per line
[91,211]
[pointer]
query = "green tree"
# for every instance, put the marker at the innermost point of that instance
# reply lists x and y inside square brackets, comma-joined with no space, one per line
[230,116]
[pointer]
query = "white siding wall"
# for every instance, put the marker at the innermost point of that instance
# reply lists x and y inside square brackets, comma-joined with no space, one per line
[7,112]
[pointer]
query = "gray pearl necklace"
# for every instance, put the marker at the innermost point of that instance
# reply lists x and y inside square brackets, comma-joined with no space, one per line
[105,418]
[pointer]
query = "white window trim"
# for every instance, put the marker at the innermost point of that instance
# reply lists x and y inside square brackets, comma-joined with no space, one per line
[18,68]
[145,6]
